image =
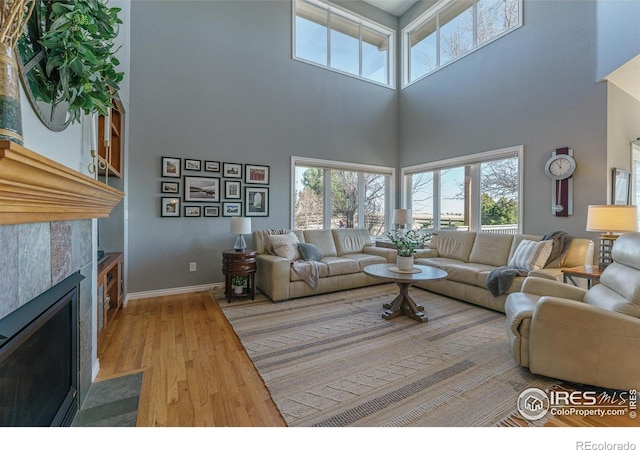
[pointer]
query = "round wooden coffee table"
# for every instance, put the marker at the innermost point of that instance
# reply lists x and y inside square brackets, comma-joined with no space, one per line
[403,303]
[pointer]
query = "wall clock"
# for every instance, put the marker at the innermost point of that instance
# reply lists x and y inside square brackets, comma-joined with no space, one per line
[560,168]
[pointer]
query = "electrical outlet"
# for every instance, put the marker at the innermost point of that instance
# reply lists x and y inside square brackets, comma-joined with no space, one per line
[192,267]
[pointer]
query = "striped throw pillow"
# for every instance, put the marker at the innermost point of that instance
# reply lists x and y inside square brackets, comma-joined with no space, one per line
[531,255]
[286,245]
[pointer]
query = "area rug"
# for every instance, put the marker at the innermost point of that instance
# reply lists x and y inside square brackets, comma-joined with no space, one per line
[111,403]
[332,360]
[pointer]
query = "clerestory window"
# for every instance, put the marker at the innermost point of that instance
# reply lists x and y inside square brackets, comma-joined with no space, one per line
[331,37]
[452,29]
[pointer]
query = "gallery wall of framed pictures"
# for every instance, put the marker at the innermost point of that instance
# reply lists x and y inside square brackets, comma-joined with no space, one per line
[202,188]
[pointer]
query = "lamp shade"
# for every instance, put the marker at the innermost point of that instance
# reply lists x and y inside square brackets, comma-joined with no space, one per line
[402,216]
[612,218]
[240,225]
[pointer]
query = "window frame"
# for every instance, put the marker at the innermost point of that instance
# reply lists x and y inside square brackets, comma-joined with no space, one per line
[297,161]
[362,21]
[433,13]
[473,160]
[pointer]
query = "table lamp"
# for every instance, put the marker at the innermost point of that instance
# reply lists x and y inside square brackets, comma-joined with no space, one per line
[240,226]
[611,219]
[402,217]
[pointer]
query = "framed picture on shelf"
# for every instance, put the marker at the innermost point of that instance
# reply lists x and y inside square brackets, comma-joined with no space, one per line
[232,209]
[256,201]
[192,164]
[192,211]
[621,187]
[212,166]
[201,189]
[256,174]
[212,211]
[231,170]
[169,207]
[171,167]
[170,187]
[232,190]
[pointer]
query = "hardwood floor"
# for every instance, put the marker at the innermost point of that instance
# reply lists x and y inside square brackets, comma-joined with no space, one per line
[196,372]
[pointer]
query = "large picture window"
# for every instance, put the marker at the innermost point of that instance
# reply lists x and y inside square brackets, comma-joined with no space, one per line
[334,38]
[332,194]
[451,29]
[478,193]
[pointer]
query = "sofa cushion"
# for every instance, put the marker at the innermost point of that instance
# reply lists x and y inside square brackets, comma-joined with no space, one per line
[531,255]
[261,240]
[491,248]
[323,239]
[465,272]
[323,272]
[453,244]
[365,259]
[338,265]
[350,240]
[285,245]
[309,252]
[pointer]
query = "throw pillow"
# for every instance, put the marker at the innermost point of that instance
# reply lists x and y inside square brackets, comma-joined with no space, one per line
[531,255]
[286,245]
[309,252]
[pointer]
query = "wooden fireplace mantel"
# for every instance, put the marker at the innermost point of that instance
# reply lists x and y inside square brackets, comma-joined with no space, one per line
[36,189]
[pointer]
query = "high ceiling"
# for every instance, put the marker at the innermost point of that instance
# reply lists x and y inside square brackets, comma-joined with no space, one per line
[395,7]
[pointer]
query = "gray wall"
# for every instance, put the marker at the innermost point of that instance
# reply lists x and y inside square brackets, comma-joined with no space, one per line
[535,87]
[215,81]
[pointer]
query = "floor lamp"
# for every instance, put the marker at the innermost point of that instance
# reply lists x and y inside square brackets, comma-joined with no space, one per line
[611,219]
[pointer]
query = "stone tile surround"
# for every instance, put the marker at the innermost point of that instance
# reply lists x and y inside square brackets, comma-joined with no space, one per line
[37,256]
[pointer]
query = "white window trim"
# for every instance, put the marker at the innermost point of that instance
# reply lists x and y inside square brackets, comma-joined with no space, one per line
[428,15]
[474,159]
[361,20]
[339,165]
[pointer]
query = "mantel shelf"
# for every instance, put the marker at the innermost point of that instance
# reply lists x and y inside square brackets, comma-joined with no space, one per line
[36,189]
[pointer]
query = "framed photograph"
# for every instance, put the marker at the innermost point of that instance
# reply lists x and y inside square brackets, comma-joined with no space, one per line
[169,207]
[256,174]
[232,190]
[231,170]
[256,201]
[170,187]
[192,164]
[621,187]
[232,209]
[212,166]
[192,211]
[201,189]
[171,167]
[212,211]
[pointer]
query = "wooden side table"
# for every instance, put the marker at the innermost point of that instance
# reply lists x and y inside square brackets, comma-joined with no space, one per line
[591,274]
[239,264]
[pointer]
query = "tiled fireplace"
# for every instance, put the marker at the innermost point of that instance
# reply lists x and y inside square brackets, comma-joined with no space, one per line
[37,256]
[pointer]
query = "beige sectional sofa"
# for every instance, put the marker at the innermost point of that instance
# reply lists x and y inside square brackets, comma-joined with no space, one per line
[469,258]
[345,253]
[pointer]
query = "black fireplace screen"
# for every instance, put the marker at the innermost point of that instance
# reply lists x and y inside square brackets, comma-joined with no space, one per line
[38,359]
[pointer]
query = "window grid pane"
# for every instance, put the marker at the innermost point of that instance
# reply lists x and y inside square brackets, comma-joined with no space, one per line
[331,39]
[422,201]
[309,198]
[344,199]
[374,203]
[499,192]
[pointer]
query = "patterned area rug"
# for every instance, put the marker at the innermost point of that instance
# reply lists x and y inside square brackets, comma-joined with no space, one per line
[331,360]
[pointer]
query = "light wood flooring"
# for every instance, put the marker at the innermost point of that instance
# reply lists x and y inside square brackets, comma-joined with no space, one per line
[196,372]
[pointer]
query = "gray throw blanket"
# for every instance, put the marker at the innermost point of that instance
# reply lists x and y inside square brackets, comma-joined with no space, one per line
[500,279]
[308,271]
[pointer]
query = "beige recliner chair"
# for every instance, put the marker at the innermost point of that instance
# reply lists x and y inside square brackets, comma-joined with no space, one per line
[590,337]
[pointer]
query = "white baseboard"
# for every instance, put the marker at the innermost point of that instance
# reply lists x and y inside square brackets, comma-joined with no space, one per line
[172,291]
[95,369]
